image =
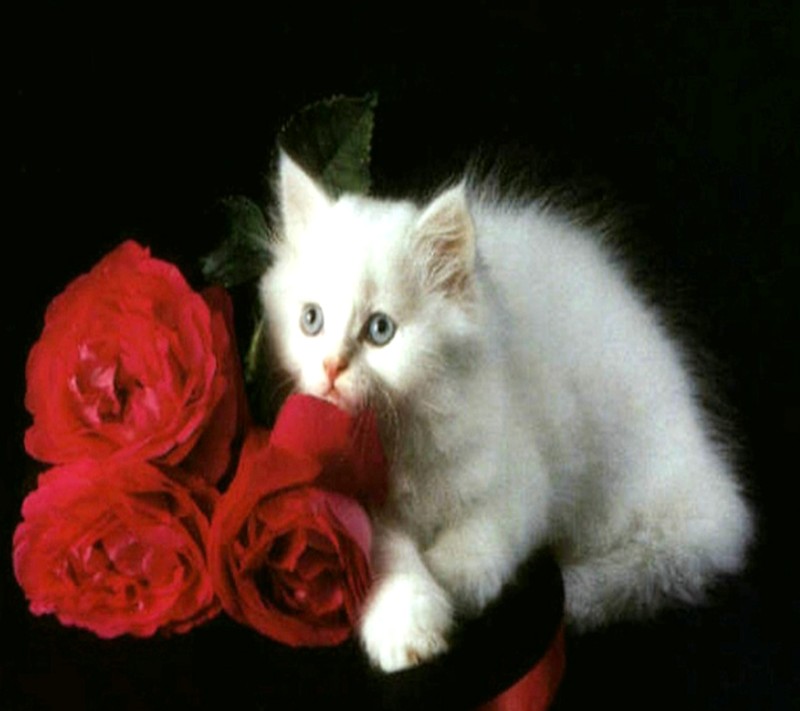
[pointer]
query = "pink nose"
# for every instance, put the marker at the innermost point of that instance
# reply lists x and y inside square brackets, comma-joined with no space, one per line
[334,366]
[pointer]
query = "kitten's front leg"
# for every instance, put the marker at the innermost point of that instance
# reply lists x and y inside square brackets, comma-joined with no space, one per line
[472,560]
[408,614]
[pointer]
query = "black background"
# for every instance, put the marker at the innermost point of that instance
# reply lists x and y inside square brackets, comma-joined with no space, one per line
[129,121]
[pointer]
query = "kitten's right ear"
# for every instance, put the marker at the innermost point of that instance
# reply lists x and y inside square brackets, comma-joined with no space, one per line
[300,196]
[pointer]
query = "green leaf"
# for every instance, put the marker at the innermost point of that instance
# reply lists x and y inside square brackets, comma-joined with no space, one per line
[332,140]
[243,254]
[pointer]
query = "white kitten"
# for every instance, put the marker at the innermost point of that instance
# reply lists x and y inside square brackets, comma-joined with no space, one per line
[528,397]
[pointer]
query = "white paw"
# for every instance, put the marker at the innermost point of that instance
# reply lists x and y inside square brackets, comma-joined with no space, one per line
[406,623]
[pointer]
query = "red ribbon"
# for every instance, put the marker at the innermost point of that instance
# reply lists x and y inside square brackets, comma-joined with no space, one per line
[537,689]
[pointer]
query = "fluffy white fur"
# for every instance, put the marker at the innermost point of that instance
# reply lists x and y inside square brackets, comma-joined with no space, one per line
[529,397]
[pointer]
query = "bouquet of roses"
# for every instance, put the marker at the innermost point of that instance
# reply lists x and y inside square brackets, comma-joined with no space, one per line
[164,502]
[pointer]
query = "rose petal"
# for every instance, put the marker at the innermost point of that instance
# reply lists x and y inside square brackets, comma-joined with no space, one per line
[212,455]
[352,519]
[347,448]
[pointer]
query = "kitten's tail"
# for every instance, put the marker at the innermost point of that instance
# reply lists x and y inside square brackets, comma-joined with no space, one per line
[670,556]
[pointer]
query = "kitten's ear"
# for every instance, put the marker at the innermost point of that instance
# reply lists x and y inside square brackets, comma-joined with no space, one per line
[444,237]
[299,195]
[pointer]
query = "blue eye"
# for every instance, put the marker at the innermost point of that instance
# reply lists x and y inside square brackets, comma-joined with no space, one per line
[380,329]
[311,319]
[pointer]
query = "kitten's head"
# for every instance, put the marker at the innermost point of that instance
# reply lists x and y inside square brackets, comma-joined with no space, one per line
[368,300]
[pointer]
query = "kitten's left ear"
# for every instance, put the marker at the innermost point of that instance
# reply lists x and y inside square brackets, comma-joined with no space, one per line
[444,237]
[300,196]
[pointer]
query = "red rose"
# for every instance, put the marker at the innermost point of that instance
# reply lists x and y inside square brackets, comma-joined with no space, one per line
[132,361]
[114,547]
[289,545]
